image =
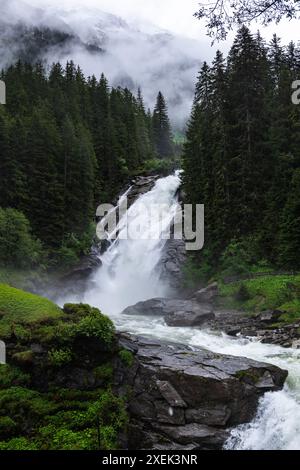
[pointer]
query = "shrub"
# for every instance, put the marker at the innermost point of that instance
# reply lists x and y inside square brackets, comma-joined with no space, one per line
[24,357]
[243,293]
[126,357]
[96,325]
[18,443]
[18,248]
[59,357]
[12,376]
[104,372]
[8,426]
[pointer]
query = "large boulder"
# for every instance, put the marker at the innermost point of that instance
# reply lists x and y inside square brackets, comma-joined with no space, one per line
[182,398]
[185,313]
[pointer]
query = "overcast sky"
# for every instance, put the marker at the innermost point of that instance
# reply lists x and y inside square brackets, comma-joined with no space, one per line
[174,15]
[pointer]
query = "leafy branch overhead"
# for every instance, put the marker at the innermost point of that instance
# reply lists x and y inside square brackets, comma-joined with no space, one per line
[222,15]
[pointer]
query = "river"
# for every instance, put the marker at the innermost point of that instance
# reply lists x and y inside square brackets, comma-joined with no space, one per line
[129,275]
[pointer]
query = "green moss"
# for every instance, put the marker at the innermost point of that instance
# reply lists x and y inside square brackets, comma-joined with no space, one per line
[21,404]
[104,372]
[24,358]
[126,357]
[19,307]
[248,376]
[63,438]
[96,325]
[12,376]
[59,357]
[265,293]
[19,443]
[79,310]
[22,333]
[8,427]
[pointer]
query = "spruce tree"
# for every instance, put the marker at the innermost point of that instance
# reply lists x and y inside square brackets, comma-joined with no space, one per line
[162,129]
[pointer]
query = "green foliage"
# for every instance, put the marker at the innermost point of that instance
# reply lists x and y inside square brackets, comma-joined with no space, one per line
[162,129]
[241,157]
[21,404]
[160,166]
[12,377]
[264,293]
[18,247]
[126,357]
[79,310]
[235,260]
[66,143]
[7,427]
[59,357]
[24,357]
[18,443]
[104,372]
[243,294]
[19,307]
[63,438]
[109,416]
[96,325]
[197,270]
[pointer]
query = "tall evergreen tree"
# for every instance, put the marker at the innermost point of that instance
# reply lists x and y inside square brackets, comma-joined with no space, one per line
[162,129]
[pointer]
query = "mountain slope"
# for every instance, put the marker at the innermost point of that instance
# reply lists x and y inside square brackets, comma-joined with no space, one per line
[129,55]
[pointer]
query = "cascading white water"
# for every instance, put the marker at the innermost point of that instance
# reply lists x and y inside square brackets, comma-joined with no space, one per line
[129,275]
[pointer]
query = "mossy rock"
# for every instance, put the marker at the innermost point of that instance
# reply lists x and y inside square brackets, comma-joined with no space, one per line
[24,358]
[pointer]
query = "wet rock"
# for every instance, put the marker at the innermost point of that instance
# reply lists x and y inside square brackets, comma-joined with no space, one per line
[208,294]
[265,326]
[170,394]
[185,313]
[204,437]
[186,398]
[192,314]
[269,316]
[152,307]
[140,185]
[211,416]
[171,264]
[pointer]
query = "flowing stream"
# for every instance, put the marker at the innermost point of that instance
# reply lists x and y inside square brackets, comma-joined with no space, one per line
[129,275]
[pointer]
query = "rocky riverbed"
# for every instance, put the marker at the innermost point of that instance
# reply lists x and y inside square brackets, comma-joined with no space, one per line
[200,310]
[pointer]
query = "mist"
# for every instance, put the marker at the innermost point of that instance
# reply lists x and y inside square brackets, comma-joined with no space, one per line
[133,53]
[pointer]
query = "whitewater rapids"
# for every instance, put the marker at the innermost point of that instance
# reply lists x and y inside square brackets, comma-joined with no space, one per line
[129,274]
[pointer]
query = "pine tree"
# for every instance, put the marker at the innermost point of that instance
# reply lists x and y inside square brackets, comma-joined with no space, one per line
[289,238]
[162,128]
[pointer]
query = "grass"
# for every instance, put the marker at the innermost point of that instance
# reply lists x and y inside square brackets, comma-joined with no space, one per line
[265,293]
[19,307]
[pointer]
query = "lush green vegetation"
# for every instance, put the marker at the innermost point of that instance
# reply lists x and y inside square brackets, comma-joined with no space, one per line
[60,419]
[67,143]
[19,307]
[264,293]
[242,158]
[38,410]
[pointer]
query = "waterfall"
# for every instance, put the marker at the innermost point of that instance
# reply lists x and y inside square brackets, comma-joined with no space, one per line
[129,274]
[129,267]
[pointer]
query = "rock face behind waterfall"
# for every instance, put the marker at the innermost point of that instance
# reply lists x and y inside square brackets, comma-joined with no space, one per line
[172,262]
[189,399]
